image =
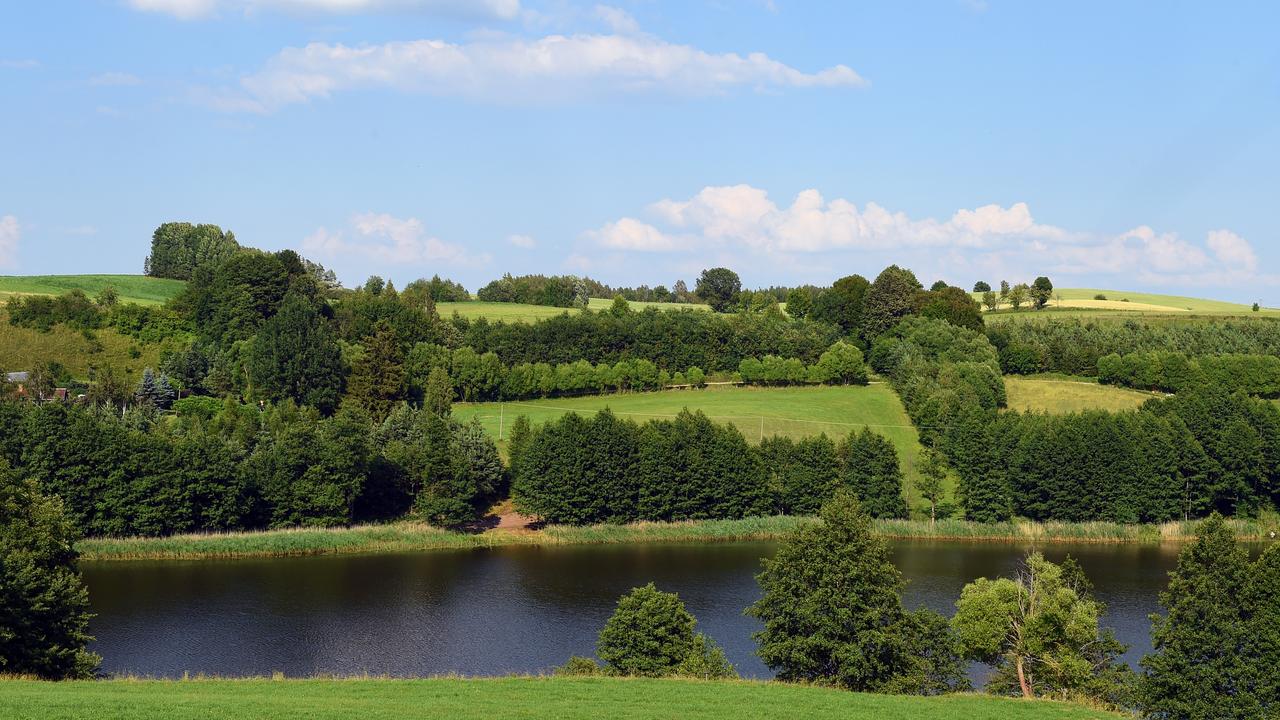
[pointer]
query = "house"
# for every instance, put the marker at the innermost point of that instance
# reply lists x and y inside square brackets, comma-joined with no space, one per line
[18,379]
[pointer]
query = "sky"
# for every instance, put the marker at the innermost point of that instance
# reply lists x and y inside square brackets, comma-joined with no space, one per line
[1129,146]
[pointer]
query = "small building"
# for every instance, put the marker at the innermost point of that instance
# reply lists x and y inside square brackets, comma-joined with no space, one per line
[19,380]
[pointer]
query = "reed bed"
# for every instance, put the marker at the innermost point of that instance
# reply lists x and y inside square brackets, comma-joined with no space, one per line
[416,537]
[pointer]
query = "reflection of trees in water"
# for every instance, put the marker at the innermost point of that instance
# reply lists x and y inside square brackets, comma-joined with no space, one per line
[515,609]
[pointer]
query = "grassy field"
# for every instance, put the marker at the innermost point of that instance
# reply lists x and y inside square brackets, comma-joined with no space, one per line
[21,348]
[1082,302]
[758,412]
[132,288]
[1057,394]
[509,698]
[515,312]
[407,536]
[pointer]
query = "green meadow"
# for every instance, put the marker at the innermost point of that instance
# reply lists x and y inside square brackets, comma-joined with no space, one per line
[1058,395]
[78,351]
[757,412]
[511,698]
[1085,303]
[131,288]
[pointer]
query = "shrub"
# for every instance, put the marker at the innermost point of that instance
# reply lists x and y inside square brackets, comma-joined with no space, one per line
[650,634]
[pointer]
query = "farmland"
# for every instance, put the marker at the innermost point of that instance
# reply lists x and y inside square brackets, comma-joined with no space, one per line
[1097,303]
[517,312]
[757,412]
[131,288]
[1060,394]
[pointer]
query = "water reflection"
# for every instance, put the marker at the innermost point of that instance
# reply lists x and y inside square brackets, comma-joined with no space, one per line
[507,610]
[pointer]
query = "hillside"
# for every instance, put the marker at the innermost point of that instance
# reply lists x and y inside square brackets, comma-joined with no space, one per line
[517,312]
[1085,302]
[508,698]
[78,351]
[131,288]
[791,411]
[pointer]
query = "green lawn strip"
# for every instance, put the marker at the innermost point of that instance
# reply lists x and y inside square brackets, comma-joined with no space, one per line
[131,288]
[408,536]
[486,699]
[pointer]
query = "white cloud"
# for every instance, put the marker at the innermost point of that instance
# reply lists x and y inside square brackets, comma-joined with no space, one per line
[110,79]
[617,19]
[522,241]
[26,64]
[506,69]
[743,221]
[389,240]
[199,9]
[10,233]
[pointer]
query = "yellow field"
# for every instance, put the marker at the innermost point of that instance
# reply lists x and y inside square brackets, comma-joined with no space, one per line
[1082,302]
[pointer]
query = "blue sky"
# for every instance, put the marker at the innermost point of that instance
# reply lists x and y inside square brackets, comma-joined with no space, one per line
[1117,145]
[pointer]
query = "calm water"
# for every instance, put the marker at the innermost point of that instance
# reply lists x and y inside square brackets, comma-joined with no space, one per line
[509,610]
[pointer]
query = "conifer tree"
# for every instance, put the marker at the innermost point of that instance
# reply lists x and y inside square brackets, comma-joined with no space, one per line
[296,356]
[832,612]
[1200,665]
[377,380]
[44,607]
[872,472]
[1262,650]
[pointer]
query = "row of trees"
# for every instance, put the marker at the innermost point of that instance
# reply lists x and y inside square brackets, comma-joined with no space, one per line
[672,339]
[864,309]
[1174,372]
[565,291]
[1074,346]
[842,364]
[579,470]
[227,467]
[831,606]
[1200,452]
[1037,294]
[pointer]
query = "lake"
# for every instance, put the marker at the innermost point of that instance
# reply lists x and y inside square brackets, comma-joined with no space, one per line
[505,610]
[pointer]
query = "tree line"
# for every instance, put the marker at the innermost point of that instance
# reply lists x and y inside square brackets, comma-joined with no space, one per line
[832,614]
[582,470]
[1074,346]
[224,466]
[1174,372]
[1200,452]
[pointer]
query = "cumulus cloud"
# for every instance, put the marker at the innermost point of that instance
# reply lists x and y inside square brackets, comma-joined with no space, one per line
[742,218]
[389,240]
[110,79]
[507,69]
[200,9]
[522,241]
[10,233]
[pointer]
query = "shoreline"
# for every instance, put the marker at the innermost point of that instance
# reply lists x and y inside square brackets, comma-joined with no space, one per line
[408,536]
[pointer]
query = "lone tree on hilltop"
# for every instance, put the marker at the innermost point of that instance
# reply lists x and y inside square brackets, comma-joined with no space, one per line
[719,288]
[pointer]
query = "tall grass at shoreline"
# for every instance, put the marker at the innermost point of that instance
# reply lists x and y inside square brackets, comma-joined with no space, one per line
[416,537]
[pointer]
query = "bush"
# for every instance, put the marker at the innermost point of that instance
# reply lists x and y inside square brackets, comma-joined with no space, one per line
[650,634]
[578,666]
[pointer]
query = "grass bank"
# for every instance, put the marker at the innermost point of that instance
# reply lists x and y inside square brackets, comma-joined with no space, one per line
[415,537]
[131,288]
[484,699]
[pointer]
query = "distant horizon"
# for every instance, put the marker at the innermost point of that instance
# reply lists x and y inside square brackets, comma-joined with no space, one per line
[639,142]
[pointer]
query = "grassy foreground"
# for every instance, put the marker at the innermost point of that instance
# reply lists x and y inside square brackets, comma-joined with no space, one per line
[409,536]
[485,699]
[131,288]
